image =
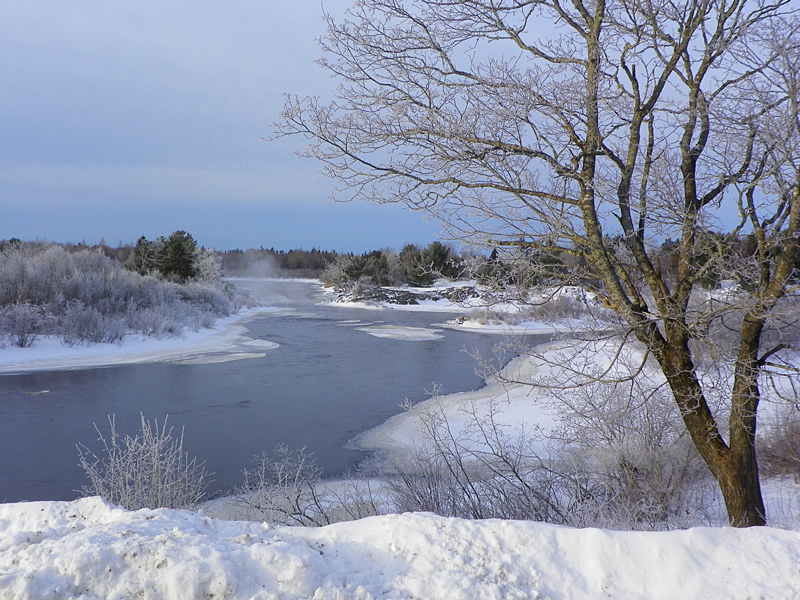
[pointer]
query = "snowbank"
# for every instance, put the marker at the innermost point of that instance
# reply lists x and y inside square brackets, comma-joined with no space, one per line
[88,549]
[225,341]
[516,404]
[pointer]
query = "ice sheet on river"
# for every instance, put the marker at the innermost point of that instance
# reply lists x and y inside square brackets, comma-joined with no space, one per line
[400,332]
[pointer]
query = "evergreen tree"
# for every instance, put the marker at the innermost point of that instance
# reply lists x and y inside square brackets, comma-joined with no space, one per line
[434,260]
[177,258]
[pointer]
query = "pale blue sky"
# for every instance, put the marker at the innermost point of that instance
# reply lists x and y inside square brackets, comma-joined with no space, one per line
[122,119]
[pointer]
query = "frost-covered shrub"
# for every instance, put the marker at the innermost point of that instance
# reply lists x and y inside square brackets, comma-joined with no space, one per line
[562,306]
[86,325]
[616,460]
[281,488]
[22,323]
[625,442]
[149,470]
[93,298]
[333,274]
[208,265]
[543,305]
[487,316]
[159,321]
[479,471]
[207,298]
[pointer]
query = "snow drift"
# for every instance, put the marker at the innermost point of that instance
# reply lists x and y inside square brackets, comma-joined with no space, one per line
[89,549]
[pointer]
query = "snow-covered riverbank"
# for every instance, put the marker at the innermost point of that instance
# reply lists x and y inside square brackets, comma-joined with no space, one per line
[227,340]
[482,310]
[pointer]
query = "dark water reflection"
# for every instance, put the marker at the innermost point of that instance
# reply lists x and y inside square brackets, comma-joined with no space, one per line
[326,383]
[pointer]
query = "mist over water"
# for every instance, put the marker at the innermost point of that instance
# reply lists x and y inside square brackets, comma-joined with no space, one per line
[272,290]
[328,380]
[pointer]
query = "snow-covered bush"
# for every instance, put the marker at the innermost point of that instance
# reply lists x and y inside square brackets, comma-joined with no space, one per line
[85,325]
[557,306]
[86,297]
[623,441]
[149,470]
[208,265]
[149,321]
[20,323]
[480,471]
[211,299]
[282,489]
[487,316]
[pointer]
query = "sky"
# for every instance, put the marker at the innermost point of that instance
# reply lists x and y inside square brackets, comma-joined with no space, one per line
[123,119]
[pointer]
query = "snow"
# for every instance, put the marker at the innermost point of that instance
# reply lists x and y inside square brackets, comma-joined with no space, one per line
[516,405]
[89,549]
[225,341]
[511,399]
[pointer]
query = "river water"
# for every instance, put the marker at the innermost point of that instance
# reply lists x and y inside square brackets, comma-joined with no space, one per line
[334,375]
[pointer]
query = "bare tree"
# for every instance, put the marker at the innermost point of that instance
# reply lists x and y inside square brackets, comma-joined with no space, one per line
[600,130]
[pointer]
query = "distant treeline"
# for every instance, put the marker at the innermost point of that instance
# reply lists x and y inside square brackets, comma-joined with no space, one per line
[265,262]
[413,265]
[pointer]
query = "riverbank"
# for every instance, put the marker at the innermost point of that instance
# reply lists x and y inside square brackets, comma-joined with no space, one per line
[512,402]
[226,340]
[484,310]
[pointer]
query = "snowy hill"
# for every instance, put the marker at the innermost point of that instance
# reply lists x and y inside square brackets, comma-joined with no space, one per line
[88,549]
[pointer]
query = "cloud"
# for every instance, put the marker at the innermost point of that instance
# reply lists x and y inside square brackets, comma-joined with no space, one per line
[88,185]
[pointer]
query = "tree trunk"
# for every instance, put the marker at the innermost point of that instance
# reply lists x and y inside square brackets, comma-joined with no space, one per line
[734,467]
[738,480]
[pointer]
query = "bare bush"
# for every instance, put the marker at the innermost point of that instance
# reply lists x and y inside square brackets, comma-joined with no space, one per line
[149,470]
[85,325]
[481,471]
[285,487]
[559,307]
[545,304]
[779,443]
[622,441]
[617,460]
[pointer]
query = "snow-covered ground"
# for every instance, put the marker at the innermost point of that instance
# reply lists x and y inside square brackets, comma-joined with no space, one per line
[89,550]
[225,341]
[515,403]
